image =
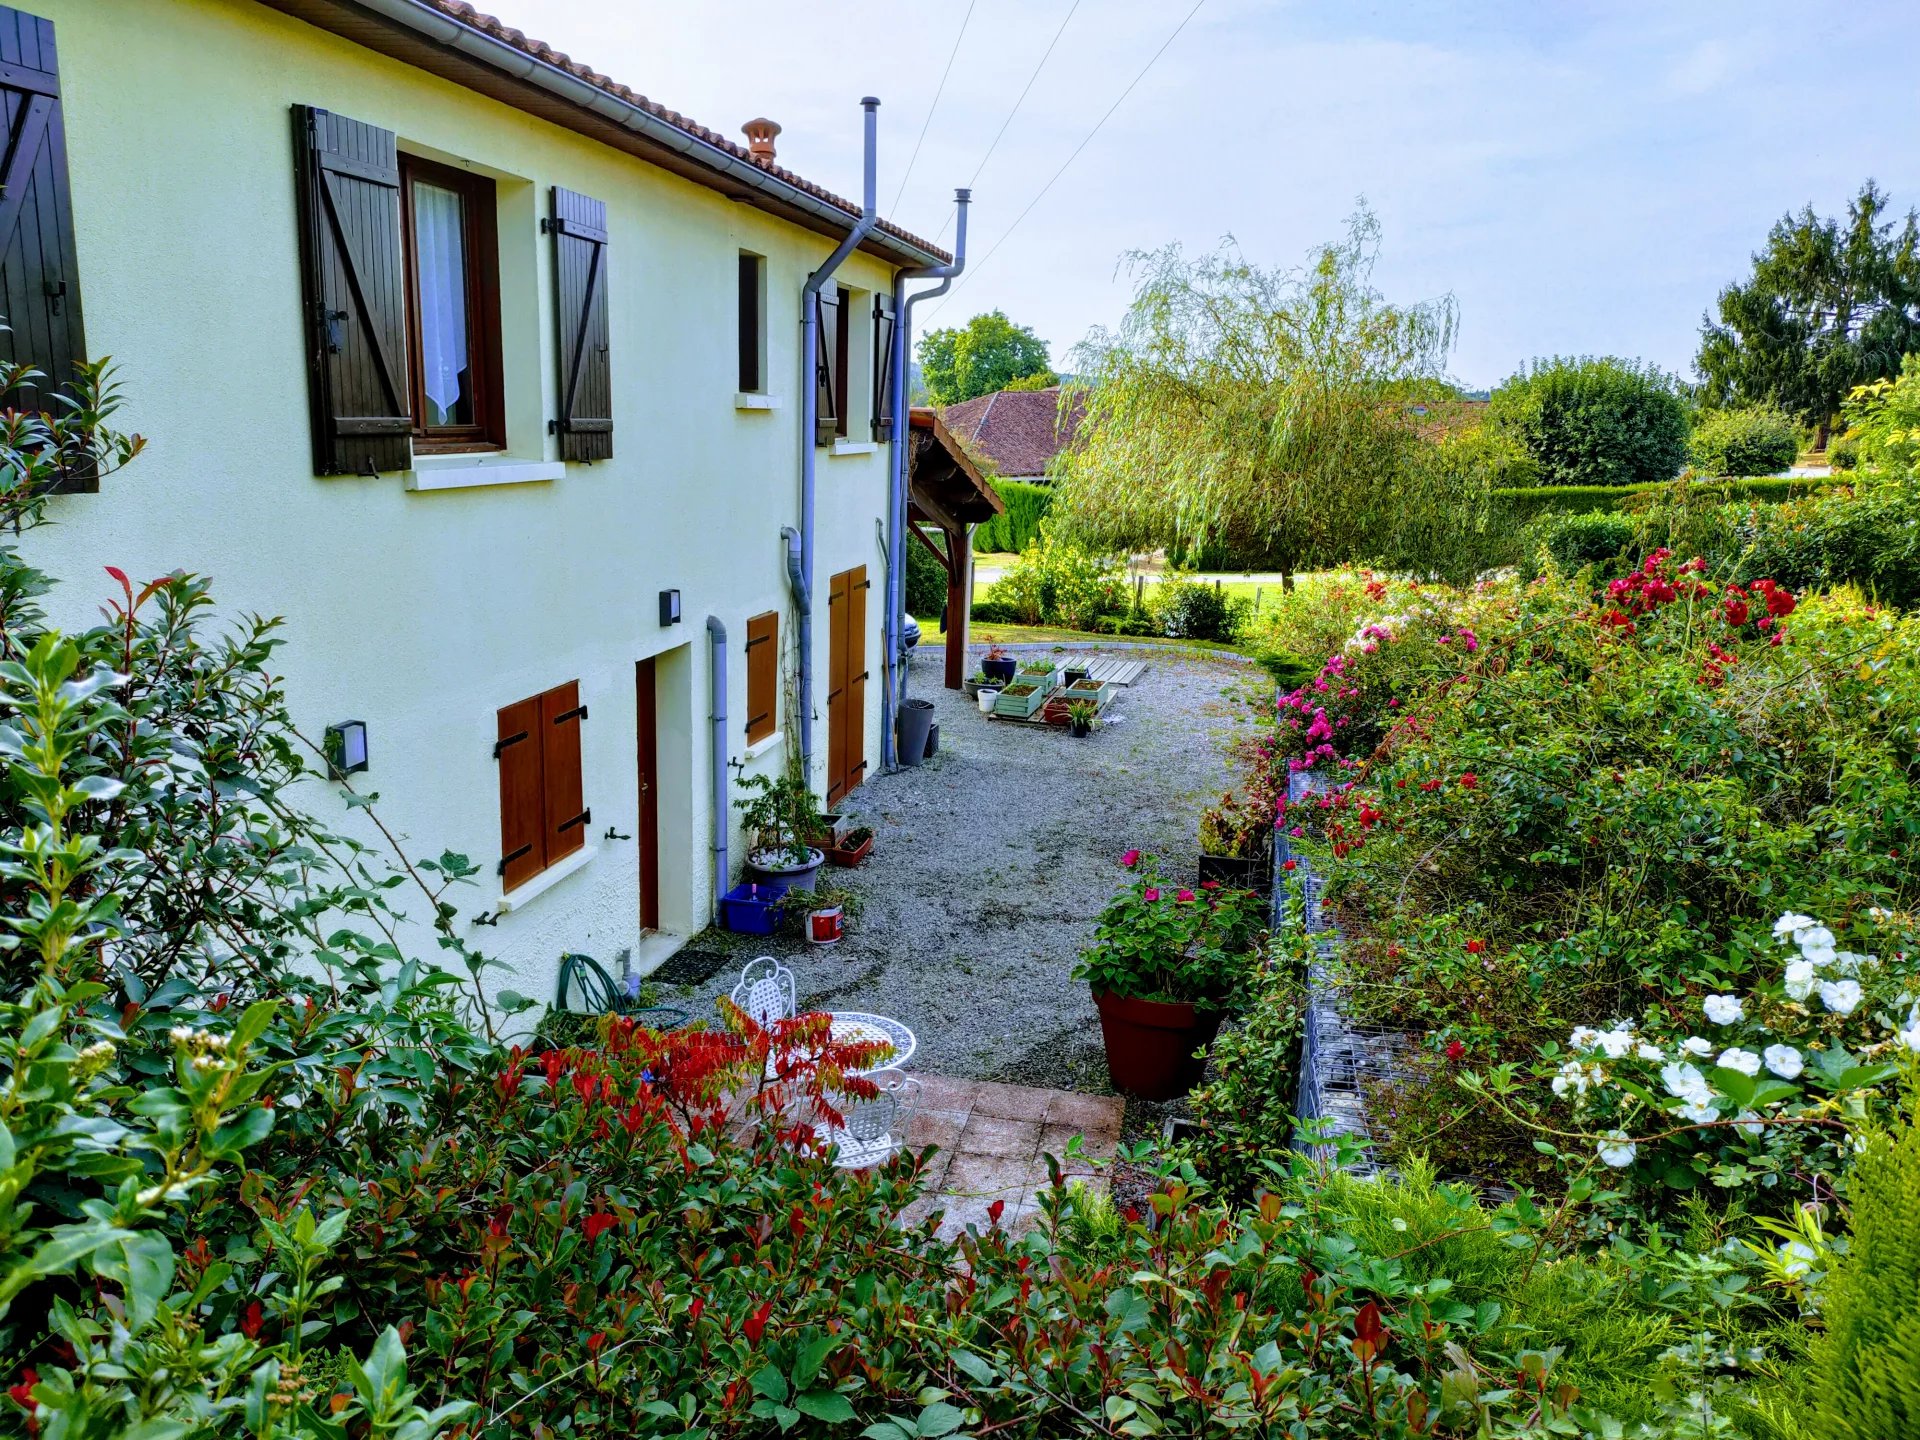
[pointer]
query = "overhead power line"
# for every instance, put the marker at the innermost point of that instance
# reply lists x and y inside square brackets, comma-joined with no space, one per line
[938,91]
[974,269]
[995,144]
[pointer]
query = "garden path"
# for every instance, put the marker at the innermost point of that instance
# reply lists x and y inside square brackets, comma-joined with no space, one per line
[991,862]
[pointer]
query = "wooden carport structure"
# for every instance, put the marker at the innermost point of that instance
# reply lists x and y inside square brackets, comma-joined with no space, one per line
[947,492]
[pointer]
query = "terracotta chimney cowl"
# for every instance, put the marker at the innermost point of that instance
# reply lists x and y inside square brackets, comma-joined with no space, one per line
[760,135]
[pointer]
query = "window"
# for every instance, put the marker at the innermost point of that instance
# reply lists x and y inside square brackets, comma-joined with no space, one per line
[453,307]
[763,675]
[543,817]
[842,334]
[752,377]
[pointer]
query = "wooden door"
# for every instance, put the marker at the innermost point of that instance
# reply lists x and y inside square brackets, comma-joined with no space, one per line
[646,725]
[846,682]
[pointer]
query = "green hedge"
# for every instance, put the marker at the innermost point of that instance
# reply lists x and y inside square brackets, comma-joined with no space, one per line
[1008,534]
[1524,505]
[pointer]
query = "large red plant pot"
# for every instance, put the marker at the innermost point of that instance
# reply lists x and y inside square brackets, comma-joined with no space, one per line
[1150,1044]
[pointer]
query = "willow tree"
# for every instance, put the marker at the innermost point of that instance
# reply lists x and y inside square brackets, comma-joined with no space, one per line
[1274,415]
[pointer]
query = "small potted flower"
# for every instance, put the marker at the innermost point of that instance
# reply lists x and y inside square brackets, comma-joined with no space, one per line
[998,664]
[1082,716]
[853,848]
[1166,967]
[1236,844]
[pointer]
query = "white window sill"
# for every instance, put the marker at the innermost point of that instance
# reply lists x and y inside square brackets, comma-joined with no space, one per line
[753,400]
[522,895]
[854,447]
[463,472]
[761,747]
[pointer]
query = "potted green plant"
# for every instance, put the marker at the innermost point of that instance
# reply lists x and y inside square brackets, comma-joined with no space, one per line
[974,683]
[780,814]
[1236,844]
[998,665]
[1082,716]
[853,848]
[1165,968]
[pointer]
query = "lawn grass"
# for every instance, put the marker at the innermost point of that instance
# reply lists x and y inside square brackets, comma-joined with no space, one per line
[931,634]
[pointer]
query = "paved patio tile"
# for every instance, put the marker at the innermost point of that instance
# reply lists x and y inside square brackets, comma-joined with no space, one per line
[936,1127]
[989,1177]
[1093,1115]
[1006,1139]
[946,1092]
[1011,1102]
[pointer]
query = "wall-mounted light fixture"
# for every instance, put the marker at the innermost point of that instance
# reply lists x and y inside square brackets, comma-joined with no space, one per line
[346,746]
[669,607]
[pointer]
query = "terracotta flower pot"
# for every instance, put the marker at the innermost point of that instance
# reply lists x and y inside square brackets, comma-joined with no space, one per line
[1150,1043]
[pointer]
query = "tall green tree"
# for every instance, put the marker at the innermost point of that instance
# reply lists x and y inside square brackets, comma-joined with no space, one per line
[1831,303]
[986,354]
[1266,412]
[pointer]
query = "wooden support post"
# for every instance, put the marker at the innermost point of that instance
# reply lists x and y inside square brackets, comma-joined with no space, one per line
[959,572]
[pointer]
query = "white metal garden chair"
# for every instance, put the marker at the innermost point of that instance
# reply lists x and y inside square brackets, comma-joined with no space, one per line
[765,991]
[871,1130]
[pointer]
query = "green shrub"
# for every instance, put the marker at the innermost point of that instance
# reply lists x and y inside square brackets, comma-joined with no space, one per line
[1010,533]
[1843,451]
[1754,440]
[1252,1088]
[1868,1365]
[1584,538]
[1055,582]
[1197,610]
[926,582]
[1593,421]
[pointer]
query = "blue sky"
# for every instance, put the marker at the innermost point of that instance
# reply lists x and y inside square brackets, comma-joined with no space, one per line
[1582,177]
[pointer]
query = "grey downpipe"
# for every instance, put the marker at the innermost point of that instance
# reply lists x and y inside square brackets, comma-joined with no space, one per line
[897,475]
[717,711]
[442,29]
[809,419]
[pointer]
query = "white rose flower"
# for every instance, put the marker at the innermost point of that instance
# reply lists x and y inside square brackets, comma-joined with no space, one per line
[1694,1045]
[1649,1052]
[1617,1043]
[1699,1111]
[1840,996]
[1910,1037]
[1683,1081]
[1582,1038]
[1616,1150]
[1797,1258]
[1724,1009]
[1817,945]
[1791,924]
[1784,1061]
[1745,1061]
[1800,979]
[1573,1076]
[1748,1121]
[1848,963]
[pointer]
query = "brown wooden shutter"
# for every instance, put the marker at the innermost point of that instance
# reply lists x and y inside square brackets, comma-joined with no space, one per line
[825,381]
[837,660]
[39,272]
[763,674]
[855,705]
[567,816]
[883,366]
[522,794]
[579,230]
[354,282]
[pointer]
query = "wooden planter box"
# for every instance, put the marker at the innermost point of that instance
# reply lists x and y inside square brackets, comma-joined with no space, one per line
[1046,680]
[1055,710]
[1097,691]
[1019,706]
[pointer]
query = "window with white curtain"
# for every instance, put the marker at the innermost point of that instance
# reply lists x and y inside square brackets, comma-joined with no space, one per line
[453,307]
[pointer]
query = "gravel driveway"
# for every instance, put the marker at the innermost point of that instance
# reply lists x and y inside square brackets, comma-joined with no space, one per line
[991,862]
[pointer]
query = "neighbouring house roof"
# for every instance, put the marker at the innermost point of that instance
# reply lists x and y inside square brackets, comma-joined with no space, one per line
[943,482]
[1020,431]
[453,40]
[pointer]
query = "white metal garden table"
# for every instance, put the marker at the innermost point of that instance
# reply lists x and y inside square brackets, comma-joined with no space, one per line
[857,1026]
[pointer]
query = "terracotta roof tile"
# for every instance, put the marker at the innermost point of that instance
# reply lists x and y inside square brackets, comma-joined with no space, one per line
[1020,431]
[461,11]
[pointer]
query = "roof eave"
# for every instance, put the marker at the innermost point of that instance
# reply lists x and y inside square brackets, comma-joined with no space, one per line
[416,32]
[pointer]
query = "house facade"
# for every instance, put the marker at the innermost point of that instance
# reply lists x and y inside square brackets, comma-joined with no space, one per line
[485,373]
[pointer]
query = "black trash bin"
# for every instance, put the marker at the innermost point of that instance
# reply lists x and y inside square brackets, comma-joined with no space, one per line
[910,730]
[933,740]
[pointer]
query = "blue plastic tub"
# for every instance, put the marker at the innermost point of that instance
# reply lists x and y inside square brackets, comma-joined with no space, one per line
[753,909]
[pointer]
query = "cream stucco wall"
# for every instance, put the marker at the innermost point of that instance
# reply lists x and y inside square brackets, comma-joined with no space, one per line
[423,612]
